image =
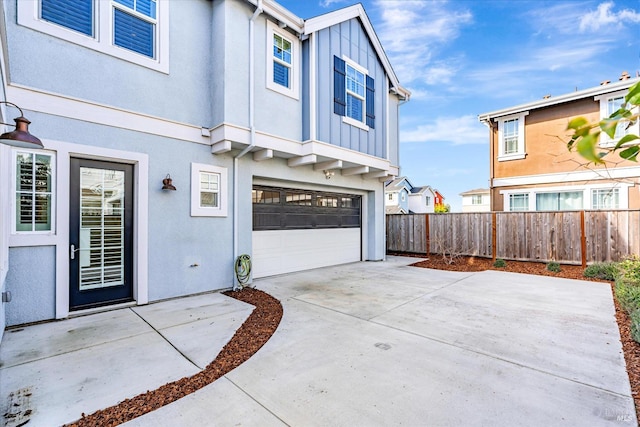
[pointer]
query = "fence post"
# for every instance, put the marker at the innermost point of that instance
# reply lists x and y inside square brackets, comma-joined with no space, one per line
[493,236]
[583,240]
[426,226]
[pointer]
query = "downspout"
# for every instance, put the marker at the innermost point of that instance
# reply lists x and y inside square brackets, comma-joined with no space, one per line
[252,131]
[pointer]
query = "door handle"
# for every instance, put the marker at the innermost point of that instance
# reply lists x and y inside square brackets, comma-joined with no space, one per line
[73,251]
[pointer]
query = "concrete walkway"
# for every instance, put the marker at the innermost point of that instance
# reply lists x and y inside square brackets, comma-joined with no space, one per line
[363,344]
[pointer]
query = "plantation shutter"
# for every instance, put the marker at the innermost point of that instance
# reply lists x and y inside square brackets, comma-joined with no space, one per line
[371,117]
[76,15]
[133,33]
[339,86]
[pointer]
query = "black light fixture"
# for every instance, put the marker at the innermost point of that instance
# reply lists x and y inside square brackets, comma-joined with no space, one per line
[167,184]
[20,137]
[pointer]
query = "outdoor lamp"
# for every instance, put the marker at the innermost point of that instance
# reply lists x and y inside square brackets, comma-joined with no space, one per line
[20,137]
[167,184]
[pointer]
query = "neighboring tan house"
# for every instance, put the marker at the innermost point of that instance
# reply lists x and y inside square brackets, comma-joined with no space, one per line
[402,197]
[477,200]
[180,134]
[531,168]
[396,196]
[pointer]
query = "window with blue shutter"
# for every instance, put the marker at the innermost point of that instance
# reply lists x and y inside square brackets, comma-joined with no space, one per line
[371,117]
[353,93]
[134,26]
[339,93]
[75,15]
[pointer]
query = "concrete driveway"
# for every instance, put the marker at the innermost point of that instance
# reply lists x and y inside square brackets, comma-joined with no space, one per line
[377,344]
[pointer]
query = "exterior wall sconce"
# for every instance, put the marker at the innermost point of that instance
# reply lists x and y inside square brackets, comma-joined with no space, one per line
[167,184]
[20,137]
[328,174]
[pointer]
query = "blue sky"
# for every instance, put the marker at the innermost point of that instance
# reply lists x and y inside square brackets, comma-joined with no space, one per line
[464,58]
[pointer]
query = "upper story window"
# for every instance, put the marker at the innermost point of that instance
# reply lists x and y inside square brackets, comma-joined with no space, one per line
[427,200]
[511,137]
[353,93]
[133,30]
[208,190]
[476,199]
[609,104]
[283,63]
[33,189]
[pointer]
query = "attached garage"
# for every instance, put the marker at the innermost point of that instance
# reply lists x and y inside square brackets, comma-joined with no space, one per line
[296,230]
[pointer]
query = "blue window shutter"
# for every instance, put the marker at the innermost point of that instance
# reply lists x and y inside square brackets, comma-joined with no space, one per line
[371,94]
[133,33]
[339,87]
[76,15]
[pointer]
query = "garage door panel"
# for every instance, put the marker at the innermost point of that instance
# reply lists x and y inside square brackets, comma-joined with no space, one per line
[284,251]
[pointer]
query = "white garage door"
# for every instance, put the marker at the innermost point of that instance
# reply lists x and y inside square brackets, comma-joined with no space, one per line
[296,230]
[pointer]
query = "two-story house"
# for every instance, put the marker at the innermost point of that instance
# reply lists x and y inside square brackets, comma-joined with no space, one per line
[180,134]
[476,200]
[401,197]
[531,168]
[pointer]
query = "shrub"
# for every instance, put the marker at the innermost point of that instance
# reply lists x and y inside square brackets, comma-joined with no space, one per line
[500,263]
[554,267]
[628,295]
[629,270]
[602,271]
[635,325]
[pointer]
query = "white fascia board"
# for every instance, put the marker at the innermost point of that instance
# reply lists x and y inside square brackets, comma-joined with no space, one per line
[573,96]
[321,22]
[283,15]
[617,173]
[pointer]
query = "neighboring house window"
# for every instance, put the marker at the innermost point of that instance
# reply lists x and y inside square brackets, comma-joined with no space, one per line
[33,192]
[427,200]
[519,202]
[402,197]
[605,198]
[476,199]
[134,30]
[353,93]
[390,196]
[208,190]
[609,104]
[511,137]
[282,61]
[559,201]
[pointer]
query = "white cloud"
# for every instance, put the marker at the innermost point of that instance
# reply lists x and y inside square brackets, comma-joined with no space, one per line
[413,31]
[605,17]
[454,130]
[328,3]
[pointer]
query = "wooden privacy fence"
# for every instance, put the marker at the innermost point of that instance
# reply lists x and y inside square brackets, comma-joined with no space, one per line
[570,237]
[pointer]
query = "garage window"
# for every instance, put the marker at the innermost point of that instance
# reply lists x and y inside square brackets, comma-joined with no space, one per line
[287,209]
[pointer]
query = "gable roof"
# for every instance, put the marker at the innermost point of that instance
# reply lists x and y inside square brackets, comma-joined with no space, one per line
[397,185]
[573,96]
[476,191]
[421,190]
[312,25]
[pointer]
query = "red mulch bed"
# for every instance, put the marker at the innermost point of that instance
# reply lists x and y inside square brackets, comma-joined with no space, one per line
[253,334]
[630,347]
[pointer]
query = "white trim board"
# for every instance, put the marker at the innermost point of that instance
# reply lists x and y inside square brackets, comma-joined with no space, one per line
[590,175]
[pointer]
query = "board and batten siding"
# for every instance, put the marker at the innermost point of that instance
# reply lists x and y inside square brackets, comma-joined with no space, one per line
[349,39]
[571,237]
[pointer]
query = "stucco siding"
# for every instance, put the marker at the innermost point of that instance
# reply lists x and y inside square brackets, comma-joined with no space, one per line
[32,289]
[184,96]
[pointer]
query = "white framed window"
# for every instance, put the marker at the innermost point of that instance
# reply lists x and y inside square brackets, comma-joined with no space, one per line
[134,30]
[518,202]
[427,200]
[209,190]
[353,93]
[403,196]
[560,200]
[476,199]
[609,104]
[605,198]
[511,141]
[390,196]
[33,192]
[283,61]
